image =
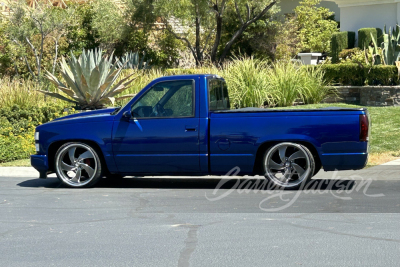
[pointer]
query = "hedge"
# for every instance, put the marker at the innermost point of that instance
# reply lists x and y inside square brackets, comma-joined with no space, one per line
[17,127]
[358,75]
[364,36]
[340,41]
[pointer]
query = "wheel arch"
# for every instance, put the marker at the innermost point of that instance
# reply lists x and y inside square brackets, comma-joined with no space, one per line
[54,146]
[258,162]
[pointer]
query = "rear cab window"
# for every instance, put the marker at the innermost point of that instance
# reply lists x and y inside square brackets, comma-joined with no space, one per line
[218,98]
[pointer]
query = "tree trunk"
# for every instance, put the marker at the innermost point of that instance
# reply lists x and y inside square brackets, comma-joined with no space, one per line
[218,35]
[40,56]
[230,43]
[242,28]
[55,56]
[197,45]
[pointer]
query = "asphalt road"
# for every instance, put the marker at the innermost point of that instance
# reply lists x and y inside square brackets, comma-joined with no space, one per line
[152,221]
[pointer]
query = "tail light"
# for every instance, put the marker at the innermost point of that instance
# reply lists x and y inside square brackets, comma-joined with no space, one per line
[364,128]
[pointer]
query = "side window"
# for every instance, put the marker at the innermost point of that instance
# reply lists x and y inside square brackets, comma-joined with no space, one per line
[171,99]
[218,95]
[181,103]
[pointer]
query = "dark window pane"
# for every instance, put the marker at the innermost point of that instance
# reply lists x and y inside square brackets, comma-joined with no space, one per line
[218,94]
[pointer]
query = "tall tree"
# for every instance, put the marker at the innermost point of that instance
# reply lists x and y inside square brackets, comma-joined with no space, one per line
[43,21]
[315,26]
[198,23]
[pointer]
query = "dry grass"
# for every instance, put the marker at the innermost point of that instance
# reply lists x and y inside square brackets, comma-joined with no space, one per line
[380,158]
[17,163]
[19,92]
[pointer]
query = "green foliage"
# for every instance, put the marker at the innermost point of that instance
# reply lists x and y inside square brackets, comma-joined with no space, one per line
[390,45]
[254,83]
[17,127]
[384,75]
[19,92]
[290,83]
[90,80]
[29,29]
[345,74]
[340,41]
[350,53]
[247,83]
[365,39]
[287,40]
[359,75]
[315,26]
[107,21]
[5,50]
[81,34]
[260,38]
[131,60]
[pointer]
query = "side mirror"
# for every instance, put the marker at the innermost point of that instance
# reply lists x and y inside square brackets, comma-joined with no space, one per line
[127,114]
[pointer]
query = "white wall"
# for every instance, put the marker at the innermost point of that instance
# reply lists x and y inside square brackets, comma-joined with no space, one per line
[354,18]
[287,7]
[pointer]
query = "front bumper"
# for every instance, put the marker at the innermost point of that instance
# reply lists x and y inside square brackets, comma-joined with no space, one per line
[41,164]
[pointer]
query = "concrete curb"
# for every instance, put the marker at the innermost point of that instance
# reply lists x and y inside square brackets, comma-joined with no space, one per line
[18,172]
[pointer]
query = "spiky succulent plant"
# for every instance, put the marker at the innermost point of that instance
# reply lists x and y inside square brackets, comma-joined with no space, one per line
[89,80]
[131,60]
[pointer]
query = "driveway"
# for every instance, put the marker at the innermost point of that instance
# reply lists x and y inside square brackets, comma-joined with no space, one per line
[341,219]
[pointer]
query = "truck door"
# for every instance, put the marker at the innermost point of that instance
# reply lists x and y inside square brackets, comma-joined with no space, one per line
[163,134]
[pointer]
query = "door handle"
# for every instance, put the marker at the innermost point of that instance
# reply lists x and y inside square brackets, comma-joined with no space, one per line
[190,128]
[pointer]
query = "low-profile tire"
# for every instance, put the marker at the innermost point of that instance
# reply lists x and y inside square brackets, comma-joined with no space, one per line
[288,165]
[78,165]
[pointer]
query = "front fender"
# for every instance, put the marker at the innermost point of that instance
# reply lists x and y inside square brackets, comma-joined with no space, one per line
[97,132]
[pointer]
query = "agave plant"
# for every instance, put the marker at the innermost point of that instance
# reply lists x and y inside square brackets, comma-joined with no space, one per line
[390,46]
[131,60]
[89,80]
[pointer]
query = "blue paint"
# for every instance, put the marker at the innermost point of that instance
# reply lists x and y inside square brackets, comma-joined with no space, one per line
[208,142]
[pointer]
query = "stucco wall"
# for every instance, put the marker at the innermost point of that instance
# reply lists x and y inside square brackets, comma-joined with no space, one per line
[287,6]
[368,16]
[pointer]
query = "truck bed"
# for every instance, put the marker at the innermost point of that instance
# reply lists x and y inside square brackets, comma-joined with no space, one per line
[257,110]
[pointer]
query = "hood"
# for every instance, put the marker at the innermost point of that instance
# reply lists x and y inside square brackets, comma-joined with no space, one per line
[90,113]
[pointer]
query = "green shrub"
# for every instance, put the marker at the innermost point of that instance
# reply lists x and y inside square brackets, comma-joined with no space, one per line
[349,53]
[382,75]
[364,36]
[16,143]
[315,88]
[340,41]
[291,82]
[17,127]
[247,81]
[359,75]
[345,74]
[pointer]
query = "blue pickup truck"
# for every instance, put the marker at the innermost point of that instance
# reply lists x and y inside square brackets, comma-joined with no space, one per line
[184,125]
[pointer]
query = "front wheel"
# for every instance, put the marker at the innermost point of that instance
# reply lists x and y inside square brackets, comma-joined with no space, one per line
[78,165]
[289,165]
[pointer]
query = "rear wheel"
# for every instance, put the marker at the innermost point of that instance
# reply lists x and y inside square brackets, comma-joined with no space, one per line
[78,165]
[289,165]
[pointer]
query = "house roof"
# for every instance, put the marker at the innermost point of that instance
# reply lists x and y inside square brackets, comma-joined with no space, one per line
[349,3]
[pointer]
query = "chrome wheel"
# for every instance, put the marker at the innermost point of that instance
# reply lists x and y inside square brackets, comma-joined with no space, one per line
[76,164]
[288,165]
